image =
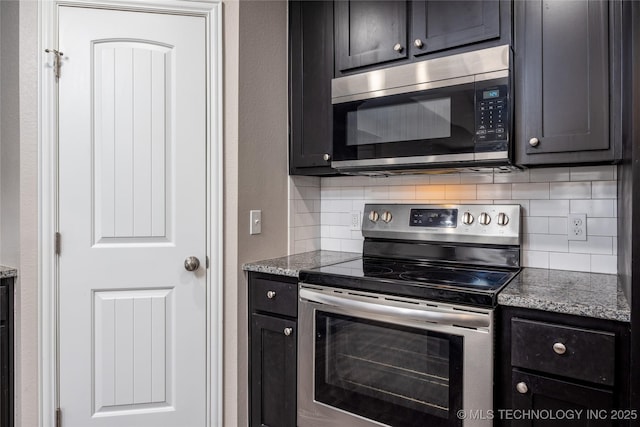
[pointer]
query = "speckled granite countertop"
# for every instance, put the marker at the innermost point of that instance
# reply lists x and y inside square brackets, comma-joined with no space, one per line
[7,272]
[291,265]
[570,292]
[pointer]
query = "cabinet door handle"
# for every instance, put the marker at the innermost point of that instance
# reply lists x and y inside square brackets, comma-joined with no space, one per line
[559,348]
[397,47]
[326,157]
[522,388]
[418,43]
[271,294]
[534,142]
[287,331]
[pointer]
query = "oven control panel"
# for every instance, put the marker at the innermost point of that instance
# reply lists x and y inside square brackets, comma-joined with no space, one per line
[439,218]
[490,224]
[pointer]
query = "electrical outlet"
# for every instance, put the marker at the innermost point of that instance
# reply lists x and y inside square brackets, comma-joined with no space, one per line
[577,227]
[355,221]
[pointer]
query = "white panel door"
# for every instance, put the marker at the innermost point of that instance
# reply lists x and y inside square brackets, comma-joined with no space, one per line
[132,208]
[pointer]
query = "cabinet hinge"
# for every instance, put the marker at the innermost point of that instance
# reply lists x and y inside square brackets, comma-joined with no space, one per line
[58,243]
[58,417]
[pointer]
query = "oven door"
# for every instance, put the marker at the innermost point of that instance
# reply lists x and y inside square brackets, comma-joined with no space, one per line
[370,360]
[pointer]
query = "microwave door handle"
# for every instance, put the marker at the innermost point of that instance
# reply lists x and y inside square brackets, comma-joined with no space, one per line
[469,320]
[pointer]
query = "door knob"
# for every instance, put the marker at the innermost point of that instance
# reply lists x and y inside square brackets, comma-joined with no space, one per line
[191,263]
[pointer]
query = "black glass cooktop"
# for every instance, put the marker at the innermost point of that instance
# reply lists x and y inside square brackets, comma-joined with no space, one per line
[437,281]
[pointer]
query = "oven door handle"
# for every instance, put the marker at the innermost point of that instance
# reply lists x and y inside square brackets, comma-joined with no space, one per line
[469,320]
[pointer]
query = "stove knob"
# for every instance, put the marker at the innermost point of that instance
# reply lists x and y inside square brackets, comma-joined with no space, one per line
[374,216]
[503,219]
[467,218]
[386,216]
[484,219]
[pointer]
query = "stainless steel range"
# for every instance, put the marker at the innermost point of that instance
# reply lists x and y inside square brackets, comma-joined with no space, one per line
[404,335]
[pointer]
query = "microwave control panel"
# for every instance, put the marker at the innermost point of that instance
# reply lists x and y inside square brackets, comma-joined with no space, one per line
[492,114]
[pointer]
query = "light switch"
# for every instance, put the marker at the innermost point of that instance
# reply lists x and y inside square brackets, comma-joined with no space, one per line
[255,217]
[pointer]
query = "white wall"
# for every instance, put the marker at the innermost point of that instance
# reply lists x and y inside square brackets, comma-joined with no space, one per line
[546,195]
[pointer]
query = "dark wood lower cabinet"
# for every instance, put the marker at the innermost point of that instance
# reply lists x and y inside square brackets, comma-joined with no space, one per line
[273,350]
[555,402]
[561,370]
[273,371]
[6,352]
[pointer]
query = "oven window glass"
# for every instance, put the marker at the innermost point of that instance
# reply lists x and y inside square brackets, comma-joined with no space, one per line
[388,373]
[416,118]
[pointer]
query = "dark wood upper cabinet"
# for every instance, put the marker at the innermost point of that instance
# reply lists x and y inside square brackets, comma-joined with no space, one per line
[565,75]
[374,34]
[310,74]
[370,33]
[442,25]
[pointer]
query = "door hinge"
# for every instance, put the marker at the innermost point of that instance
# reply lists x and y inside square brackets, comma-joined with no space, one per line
[58,243]
[58,417]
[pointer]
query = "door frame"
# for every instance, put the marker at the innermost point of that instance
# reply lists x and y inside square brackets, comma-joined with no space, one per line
[48,275]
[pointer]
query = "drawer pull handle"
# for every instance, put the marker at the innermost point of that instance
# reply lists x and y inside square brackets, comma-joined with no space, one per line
[271,294]
[288,331]
[522,388]
[559,348]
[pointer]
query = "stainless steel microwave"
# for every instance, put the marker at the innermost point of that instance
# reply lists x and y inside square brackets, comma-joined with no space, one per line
[453,112]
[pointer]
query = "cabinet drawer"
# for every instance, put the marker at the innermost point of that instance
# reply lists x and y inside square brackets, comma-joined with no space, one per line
[581,354]
[274,297]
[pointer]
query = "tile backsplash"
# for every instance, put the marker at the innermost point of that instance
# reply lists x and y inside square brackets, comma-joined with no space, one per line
[304,214]
[321,209]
